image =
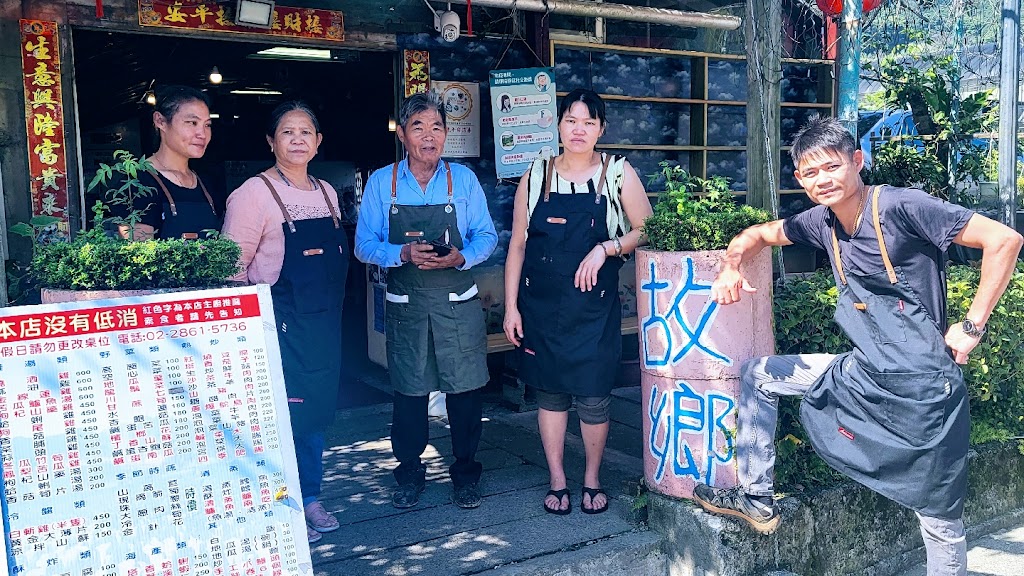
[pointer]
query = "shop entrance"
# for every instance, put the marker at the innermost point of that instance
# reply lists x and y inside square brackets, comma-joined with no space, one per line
[352,93]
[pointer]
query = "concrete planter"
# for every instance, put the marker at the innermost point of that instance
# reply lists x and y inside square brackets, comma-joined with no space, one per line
[57,296]
[691,353]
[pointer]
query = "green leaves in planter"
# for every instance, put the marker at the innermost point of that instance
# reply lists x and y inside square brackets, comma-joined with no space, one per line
[686,221]
[91,263]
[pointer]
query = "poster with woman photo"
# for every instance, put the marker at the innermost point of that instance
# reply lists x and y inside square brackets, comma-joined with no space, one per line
[523,112]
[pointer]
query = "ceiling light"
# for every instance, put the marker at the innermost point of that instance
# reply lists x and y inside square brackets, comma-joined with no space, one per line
[289,53]
[151,98]
[256,92]
[392,125]
[215,76]
[258,13]
[214,115]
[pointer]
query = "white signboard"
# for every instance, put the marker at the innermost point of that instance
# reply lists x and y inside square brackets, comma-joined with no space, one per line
[462,107]
[523,109]
[148,437]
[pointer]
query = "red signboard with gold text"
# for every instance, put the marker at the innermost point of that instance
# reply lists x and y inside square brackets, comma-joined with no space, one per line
[44,120]
[416,71]
[215,17]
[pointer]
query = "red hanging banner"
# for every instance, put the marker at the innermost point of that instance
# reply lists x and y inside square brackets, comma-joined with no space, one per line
[44,122]
[215,17]
[416,71]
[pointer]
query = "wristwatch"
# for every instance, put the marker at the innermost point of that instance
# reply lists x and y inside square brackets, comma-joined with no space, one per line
[972,329]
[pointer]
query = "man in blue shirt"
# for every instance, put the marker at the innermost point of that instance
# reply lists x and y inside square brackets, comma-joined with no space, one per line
[426,221]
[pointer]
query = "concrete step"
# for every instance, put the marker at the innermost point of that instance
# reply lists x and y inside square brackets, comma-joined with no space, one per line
[636,553]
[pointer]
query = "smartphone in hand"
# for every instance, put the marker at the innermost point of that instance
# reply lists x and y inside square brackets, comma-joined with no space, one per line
[442,244]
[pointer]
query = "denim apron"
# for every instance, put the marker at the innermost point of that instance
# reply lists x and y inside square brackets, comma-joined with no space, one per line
[307,298]
[432,314]
[186,219]
[893,414]
[572,341]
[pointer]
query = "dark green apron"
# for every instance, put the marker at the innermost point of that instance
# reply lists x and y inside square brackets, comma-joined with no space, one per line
[186,219]
[572,340]
[434,321]
[892,414]
[308,297]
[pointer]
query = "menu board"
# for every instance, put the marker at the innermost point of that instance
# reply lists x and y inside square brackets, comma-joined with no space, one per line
[523,109]
[148,436]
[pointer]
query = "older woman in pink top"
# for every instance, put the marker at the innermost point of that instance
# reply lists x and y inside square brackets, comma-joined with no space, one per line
[288,226]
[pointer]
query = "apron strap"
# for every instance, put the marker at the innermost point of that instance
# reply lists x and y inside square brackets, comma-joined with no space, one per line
[448,170]
[167,193]
[835,250]
[881,242]
[889,270]
[394,186]
[604,172]
[334,216]
[205,193]
[277,198]
[549,182]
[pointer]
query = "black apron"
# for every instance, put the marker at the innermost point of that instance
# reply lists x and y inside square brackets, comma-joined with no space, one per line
[434,320]
[307,299]
[572,340]
[893,414]
[186,219]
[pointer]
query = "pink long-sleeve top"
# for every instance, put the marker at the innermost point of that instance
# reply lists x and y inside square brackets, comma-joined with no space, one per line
[254,221]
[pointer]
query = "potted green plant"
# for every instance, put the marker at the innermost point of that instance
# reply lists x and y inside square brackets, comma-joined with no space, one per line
[691,349]
[107,262]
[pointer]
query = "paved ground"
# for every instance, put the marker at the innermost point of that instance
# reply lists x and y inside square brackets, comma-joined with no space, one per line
[999,554]
[436,537]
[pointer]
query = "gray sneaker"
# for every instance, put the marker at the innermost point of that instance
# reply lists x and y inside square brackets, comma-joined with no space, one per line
[407,495]
[733,502]
[467,496]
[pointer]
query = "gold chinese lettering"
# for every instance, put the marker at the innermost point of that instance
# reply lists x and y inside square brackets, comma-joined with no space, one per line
[39,50]
[174,14]
[201,13]
[313,24]
[275,21]
[418,71]
[222,19]
[44,124]
[45,151]
[293,22]
[49,178]
[43,98]
[49,205]
[42,75]
[31,328]
[56,325]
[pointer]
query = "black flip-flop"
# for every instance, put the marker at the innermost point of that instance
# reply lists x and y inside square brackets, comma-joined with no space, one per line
[564,492]
[593,492]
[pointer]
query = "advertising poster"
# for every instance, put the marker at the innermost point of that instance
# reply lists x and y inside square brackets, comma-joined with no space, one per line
[148,436]
[462,108]
[523,108]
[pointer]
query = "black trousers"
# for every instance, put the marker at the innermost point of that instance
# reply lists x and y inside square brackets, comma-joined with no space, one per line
[410,429]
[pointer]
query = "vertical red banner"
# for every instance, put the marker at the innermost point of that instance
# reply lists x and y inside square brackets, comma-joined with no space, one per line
[417,71]
[44,121]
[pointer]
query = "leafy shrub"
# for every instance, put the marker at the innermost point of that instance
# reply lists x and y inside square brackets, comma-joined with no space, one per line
[97,262]
[803,310]
[685,221]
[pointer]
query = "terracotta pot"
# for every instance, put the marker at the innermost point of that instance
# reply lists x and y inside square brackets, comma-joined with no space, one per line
[691,354]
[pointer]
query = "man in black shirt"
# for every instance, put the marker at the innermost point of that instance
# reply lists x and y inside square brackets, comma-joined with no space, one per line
[892,414]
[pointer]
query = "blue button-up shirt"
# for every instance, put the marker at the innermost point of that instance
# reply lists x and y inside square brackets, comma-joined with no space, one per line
[478,236]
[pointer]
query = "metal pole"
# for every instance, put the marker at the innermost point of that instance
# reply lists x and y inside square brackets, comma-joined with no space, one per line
[849,65]
[1009,77]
